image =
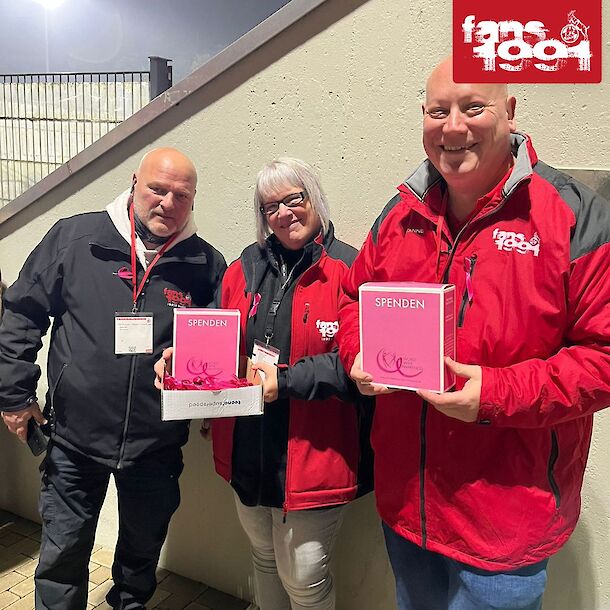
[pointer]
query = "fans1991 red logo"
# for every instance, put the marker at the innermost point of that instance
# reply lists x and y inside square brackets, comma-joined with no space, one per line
[526,42]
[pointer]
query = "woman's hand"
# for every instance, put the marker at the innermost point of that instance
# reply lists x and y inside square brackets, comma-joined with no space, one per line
[270,383]
[205,431]
[161,366]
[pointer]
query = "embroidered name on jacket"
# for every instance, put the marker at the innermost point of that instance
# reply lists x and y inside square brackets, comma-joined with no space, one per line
[175,298]
[327,329]
[509,241]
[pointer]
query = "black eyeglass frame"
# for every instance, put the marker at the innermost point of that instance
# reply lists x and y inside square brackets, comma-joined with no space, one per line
[275,205]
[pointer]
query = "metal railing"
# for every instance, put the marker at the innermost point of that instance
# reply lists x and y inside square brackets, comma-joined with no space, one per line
[46,119]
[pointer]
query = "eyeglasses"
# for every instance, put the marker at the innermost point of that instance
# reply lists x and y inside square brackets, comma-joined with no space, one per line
[290,201]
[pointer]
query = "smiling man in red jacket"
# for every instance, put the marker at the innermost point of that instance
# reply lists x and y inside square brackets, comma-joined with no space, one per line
[477,488]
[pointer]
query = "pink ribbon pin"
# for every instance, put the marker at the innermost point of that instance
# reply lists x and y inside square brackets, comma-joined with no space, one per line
[255,303]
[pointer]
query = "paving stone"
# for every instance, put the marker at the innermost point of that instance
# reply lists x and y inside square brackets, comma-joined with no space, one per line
[102,574]
[161,574]
[19,549]
[217,600]
[158,597]
[175,601]
[7,598]
[8,538]
[24,587]
[27,546]
[9,580]
[23,526]
[179,584]
[6,517]
[16,562]
[28,568]
[25,603]
[104,557]
[7,554]
[98,595]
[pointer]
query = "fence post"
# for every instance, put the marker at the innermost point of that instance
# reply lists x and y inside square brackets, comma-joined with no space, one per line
[160,75]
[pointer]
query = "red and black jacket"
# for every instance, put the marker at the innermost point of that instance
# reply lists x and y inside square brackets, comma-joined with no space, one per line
[323,463]
[503,492]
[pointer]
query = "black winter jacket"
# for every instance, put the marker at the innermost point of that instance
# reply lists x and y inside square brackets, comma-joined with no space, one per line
[100,404]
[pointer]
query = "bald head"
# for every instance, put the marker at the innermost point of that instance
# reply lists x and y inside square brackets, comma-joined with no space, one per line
[164,187]
[168,157]
[443,73]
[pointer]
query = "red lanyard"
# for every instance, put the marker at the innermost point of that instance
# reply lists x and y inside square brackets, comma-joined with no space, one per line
[137,290]
[439,236]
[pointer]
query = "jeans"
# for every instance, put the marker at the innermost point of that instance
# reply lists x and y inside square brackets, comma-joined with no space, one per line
[71,497]
[291,555]
[429,581]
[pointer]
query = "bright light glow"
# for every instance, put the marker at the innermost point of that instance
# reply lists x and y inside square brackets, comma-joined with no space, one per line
[50,4]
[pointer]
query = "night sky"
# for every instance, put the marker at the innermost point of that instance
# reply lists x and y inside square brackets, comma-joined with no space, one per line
[117,35]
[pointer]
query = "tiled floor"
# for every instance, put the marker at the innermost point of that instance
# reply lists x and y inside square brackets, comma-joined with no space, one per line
[19,544]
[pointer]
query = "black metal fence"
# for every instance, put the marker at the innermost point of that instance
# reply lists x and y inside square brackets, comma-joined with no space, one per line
[46,119]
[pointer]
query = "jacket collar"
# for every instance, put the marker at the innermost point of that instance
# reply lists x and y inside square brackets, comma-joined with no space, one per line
[426,176]
[255,259]
[116,235]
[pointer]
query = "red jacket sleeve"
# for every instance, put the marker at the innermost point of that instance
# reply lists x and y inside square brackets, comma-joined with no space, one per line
[575,381]
[361,271]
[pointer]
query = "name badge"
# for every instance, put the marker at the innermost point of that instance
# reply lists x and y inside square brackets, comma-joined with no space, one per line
[133,333]
[264,353]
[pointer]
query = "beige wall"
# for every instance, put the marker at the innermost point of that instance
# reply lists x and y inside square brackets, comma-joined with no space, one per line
[345,96]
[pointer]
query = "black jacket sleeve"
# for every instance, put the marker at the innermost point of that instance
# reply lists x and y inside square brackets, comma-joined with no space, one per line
[316,378]
[28,305]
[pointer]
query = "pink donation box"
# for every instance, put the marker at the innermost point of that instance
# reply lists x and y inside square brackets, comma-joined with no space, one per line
[206,354]
[406,328]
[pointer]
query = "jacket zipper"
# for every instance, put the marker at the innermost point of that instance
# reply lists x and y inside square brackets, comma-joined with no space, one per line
[132,375]
[471,261]
[422,472]
[554,455]
[422,425]
[52,398]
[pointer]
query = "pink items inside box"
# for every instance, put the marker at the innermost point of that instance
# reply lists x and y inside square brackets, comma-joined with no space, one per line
[205,379]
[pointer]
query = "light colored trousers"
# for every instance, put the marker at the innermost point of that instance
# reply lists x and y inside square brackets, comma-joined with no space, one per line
[291,559]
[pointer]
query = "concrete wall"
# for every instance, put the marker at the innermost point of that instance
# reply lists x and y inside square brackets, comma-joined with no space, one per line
[341,89]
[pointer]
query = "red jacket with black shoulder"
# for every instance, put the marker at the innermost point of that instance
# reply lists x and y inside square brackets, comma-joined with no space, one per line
[503,492]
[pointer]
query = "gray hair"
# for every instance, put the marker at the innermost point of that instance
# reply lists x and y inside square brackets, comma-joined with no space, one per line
[277,175]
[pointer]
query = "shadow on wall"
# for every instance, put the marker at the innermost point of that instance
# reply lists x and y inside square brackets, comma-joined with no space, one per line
[571,582]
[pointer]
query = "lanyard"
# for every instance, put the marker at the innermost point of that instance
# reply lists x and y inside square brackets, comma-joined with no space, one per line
[277,300]
[137,290]
[439,236]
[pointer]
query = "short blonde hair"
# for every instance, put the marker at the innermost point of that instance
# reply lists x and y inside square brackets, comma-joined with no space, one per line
[277,175]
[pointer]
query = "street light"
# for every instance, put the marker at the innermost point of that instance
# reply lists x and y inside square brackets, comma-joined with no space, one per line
[48,5]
